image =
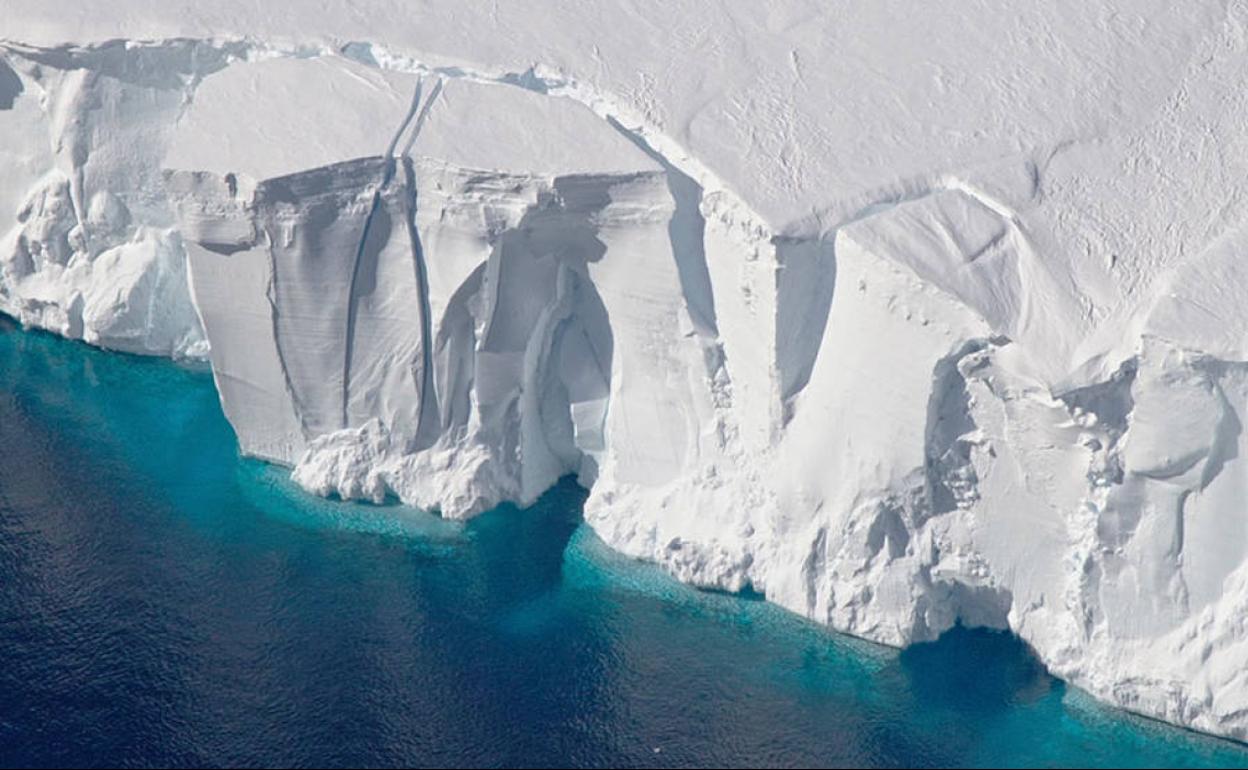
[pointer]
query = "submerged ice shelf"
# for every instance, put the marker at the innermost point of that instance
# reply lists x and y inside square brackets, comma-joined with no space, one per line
[995,378]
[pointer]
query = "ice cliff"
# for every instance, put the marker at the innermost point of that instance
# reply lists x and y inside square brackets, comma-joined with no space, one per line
[899,314]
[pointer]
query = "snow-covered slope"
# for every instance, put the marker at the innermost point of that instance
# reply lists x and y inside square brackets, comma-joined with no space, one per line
[900,313]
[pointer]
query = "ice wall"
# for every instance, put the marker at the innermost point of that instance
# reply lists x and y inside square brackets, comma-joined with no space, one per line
[1008,392]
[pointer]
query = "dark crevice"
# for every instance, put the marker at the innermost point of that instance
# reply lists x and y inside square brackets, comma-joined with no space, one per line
[428,425]
[363,252]
[10,86]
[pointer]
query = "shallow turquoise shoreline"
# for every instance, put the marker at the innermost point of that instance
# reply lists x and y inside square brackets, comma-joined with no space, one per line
[164,601]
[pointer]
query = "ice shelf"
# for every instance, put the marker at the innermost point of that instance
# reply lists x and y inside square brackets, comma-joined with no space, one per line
[900,314]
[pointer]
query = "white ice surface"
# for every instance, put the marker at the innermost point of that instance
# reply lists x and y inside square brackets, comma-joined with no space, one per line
[899,312]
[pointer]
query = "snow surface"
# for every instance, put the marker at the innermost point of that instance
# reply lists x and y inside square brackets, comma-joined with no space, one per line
[901,313]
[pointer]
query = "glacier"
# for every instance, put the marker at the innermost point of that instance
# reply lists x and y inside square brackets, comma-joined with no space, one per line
[900,315]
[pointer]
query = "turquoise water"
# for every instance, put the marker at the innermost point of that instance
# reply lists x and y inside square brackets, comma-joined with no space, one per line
[163,601]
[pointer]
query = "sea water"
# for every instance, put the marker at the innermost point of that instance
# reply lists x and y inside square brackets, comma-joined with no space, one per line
[164,601]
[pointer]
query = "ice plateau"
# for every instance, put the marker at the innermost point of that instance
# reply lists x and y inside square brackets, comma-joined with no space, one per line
[900,313]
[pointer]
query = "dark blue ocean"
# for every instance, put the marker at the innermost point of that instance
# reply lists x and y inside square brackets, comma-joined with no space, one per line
[164,602]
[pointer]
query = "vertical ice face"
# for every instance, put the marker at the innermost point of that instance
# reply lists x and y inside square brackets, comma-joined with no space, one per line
[488,297]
